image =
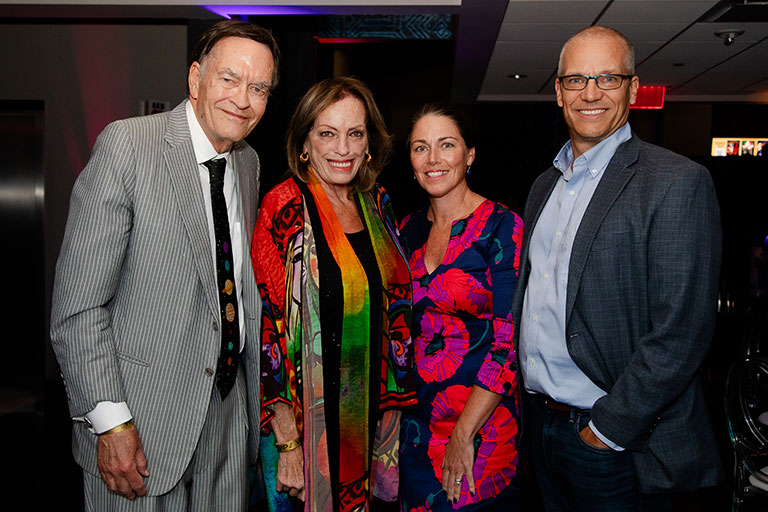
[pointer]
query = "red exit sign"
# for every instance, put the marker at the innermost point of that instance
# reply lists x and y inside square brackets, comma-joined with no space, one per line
[650,96]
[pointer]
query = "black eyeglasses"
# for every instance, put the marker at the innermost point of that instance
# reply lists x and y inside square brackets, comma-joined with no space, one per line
[605,81]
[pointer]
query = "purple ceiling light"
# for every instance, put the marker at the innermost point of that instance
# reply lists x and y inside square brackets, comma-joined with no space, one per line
[227,11]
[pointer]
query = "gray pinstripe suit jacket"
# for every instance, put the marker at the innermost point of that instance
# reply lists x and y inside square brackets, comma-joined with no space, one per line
[135,310]
[640,307]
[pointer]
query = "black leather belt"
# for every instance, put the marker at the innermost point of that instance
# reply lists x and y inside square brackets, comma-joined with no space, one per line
[554,405]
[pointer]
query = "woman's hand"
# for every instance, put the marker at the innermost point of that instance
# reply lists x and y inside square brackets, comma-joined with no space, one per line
[457,464]
[460,451]
[290,465]
[290,473]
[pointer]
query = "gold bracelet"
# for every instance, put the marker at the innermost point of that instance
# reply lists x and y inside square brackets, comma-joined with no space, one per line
[114,430]
[290,445]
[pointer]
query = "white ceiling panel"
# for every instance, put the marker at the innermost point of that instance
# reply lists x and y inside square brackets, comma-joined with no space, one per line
[583,12]
[745,73]
[658,33]
[655,11]
[549,32]
[643,50]
[694,56]
[524,55]
[716,82]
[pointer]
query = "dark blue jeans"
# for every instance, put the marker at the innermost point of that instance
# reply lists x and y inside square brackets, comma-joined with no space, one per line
[575,476]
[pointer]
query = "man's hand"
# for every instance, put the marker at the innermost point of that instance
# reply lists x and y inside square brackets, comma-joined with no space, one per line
[591,439]
[122,463]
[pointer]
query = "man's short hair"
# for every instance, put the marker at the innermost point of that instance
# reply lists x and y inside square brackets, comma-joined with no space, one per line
[602,31]
[236,28]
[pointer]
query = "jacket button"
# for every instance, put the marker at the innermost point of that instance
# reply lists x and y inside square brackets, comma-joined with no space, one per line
[209,372]
[215,326]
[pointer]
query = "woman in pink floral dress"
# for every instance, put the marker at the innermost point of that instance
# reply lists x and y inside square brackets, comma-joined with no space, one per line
[459,446]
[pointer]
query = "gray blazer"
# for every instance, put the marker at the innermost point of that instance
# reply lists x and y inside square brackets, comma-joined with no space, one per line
[135,314]
[640,307]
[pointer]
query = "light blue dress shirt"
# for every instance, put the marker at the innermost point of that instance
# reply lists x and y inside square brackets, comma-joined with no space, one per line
[544,360]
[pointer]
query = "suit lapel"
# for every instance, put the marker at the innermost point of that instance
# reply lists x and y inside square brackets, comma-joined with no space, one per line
[247,169]
[244,181]
[616,176]
[182,169]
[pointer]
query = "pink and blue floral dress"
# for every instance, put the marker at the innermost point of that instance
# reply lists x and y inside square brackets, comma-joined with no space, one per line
[462,327]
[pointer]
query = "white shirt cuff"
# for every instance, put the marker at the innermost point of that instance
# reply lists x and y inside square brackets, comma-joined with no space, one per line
[105,416]
[604,439]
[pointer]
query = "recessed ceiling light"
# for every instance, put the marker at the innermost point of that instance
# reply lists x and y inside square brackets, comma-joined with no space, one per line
[517,76]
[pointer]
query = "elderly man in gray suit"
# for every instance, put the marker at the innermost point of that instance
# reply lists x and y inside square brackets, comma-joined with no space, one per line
[155,307]
[616,301]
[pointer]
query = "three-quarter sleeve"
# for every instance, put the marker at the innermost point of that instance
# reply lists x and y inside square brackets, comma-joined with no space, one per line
[498,371]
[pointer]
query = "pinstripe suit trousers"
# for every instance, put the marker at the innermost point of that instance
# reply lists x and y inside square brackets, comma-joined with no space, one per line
[216,478]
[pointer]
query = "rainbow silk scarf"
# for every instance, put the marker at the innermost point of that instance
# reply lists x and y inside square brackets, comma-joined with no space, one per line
[355,383]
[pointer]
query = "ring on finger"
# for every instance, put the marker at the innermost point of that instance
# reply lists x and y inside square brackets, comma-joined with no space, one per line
[458,481]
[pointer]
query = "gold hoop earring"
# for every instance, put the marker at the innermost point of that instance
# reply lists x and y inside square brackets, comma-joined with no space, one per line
[367,157]
[304,157]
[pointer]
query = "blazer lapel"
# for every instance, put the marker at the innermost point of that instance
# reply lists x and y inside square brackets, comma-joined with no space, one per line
[182,169]
[616,176]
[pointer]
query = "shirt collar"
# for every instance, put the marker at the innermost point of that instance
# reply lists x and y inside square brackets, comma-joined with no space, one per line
[596,159]
[204,150]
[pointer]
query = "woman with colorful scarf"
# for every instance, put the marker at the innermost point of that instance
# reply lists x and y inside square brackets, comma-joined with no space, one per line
[336,293]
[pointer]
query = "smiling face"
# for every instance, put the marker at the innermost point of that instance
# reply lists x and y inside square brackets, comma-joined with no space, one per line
[593,114]
[439,155]
[229,90]
[337,143]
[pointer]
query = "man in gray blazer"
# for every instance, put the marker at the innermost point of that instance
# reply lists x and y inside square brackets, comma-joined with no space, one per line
[139,314]
[616,301]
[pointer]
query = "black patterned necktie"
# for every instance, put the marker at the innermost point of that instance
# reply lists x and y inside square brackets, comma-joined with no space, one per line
[229,356]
